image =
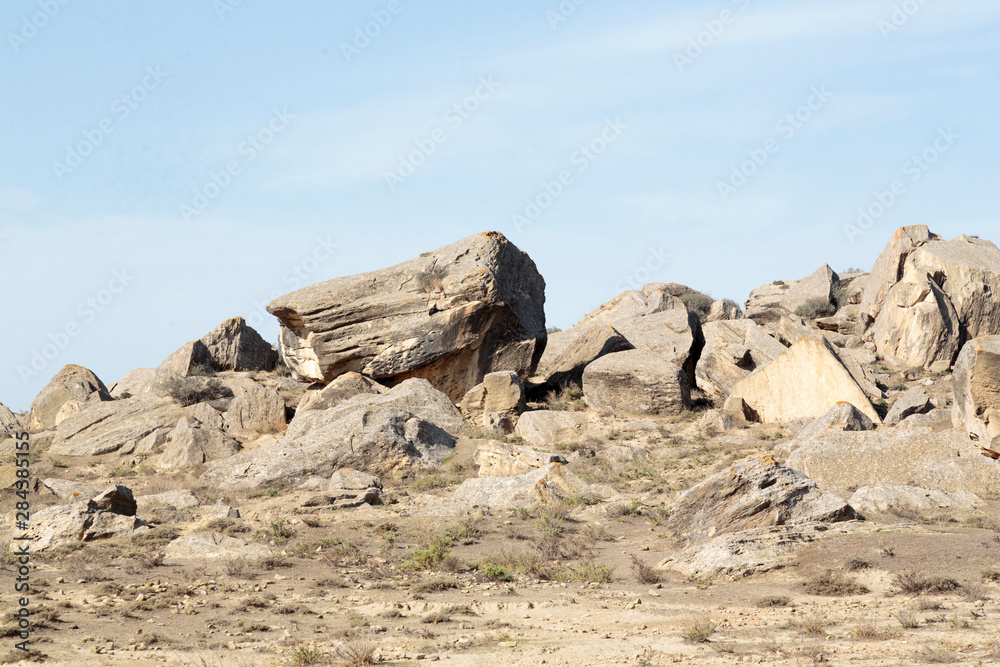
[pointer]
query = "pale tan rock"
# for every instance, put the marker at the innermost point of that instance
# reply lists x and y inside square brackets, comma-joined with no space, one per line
[450,316]
[64,395]
[917,325]
[916,457]
[805,381]
[977,392]
[733,350]
[106,427]
[254,408]
[769,303]
[109,514]
[10,425]
[881,498]
[636,381]
[192,444]
[348,385]
[548,427]
[496,403]
[133,383]
[500,459]
[548,485]
[888,270]
[213,546]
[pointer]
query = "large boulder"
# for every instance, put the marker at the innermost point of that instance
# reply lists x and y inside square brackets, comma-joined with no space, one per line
[192,444]
[500,459]
[805,381]
[547,485]
[372,433]
[841,417]
[733,350]
[450,316]
[549,427]
[64,395]
[897,497]
[932,296]
[213,546]
[977,392]
[496,402]
[915,401]
[842,461]
[10,425]
[133,383]
[110,426]
[569,352]
[755,493]
[888,270]
[636,381]
[348,385]
[254,407]
[110,514]
[231,346]
[810,296]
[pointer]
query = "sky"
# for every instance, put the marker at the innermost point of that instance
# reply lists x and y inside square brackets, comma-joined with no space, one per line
[166,166]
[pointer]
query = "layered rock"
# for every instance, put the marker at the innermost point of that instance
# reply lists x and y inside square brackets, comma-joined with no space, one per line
[378,434]
[109,514]
[450,316]
[110,426]
[254,407]
[977,393]
[915,401]
[733,350]
[916,457]
[755,493]
[927,297]
[64,395]
[805,381]
[911,499]
[547,485]
[232,346]
[10,425]
[636,381]
[569,352]
[500,459]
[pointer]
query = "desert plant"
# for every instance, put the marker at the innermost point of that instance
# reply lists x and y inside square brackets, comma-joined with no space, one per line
[304,656]
[909,583]
[191,390]
[357,651]
[431,279]
[816,308]
[698,630]
[774,601]
[643,572]
[697,302]
[834,585]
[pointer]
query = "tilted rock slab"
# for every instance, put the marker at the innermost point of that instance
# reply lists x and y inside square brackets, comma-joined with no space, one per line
[64,395]
[348,385]
[107,427]
[769,303]
[805,381]
[546,485]
[977,392]
[109,514]
[549,427]
[500,459]
[733,350]
[450,316]
[569,352]
[755,493]
[917,457]
[889,497]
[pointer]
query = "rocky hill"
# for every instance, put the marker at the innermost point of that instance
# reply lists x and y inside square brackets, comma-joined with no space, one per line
[420,471]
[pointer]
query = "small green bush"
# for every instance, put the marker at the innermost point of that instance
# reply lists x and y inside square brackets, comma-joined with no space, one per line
[816,308]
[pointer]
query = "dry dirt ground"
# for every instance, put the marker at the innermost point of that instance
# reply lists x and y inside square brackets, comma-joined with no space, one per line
[570,585]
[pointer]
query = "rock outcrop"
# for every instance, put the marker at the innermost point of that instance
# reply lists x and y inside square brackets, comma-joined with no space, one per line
[638,382]
[805,381]
[232,346]
[911,499]
[927,297]
[915,401]
[500,459]
[64,395]
[569,352]
[109,514]
[548,485]
[378,434]
[755,493]
[450,316]
[348,385]
[733,350]
[495,403]
[977,393]
[110,426]
[916,457]
[10,425]
[815,293]
[548,427]
[192,444]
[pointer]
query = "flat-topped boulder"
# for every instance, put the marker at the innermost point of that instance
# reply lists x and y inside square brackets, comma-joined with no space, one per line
[450,316]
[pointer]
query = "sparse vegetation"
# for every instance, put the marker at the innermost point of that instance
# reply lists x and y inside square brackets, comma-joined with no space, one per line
[833,584]
[815,309]
[698,630]
[192,390]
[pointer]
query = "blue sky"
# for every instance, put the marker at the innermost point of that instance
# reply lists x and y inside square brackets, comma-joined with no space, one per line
[719,144]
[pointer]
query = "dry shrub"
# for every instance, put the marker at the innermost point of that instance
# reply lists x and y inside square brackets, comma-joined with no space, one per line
[643,572]
[832,584]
